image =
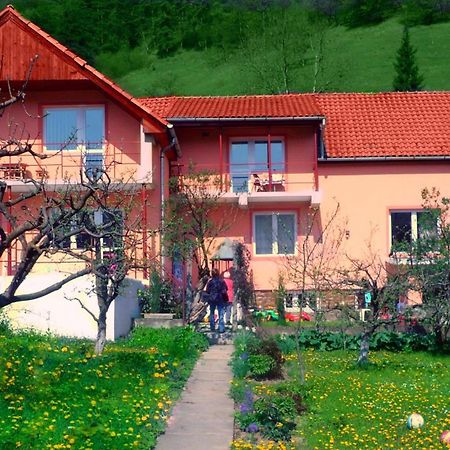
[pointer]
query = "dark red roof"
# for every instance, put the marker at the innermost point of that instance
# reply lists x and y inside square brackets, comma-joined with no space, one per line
[387,124]
[21,40]
[357,125]
[246,106]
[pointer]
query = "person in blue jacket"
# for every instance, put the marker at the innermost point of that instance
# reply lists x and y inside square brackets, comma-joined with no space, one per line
[217,298]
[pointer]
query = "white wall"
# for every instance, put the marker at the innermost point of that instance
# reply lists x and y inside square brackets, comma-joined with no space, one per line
[61,314]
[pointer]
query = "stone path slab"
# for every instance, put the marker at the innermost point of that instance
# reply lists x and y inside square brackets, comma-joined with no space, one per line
[202,419]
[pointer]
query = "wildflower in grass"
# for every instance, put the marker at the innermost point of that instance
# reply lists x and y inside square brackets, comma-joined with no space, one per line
[246,406]
[253,428]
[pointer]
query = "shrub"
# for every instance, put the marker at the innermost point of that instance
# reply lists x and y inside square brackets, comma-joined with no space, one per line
[286,344]
[178,342]
[425,12]
[280,296]
[276,414]
[261,365]
[158,297]
[258,357]
[240,365]
[268,347]
[5,325]
[383,340]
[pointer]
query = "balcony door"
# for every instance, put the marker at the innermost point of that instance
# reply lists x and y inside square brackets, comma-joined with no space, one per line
[249,157]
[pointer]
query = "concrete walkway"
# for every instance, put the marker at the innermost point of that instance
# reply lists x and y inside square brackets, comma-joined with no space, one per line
[202,419]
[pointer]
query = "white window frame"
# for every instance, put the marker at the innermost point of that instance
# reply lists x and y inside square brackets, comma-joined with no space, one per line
[81,127]
[414,223]
[274,215]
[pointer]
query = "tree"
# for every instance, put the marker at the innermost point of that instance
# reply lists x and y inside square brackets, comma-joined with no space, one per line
[30,218]
[275,48]
[380,288]
[244,290]
[113,243]
[429,263]
[407,76]
[44,219]
[195,221]
[312,270]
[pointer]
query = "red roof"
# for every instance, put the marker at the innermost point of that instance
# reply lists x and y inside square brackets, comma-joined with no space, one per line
[357,125]
[246,106]
[386,124]
[56,62]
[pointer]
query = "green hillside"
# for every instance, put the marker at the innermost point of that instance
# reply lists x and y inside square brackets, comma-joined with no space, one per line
[219,47]
[355,60]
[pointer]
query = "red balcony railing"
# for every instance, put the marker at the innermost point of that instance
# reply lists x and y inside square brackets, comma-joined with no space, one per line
[252,178]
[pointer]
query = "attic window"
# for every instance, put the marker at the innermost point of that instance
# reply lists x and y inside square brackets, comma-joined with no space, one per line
[74,128]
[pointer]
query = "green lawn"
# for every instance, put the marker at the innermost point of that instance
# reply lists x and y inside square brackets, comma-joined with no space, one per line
[329,402]
[368,408]
[55,394]
[356,60]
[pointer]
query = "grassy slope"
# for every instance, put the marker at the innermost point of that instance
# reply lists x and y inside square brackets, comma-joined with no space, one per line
[359,60]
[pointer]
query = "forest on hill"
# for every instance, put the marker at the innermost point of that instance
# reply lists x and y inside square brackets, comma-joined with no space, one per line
[219,47]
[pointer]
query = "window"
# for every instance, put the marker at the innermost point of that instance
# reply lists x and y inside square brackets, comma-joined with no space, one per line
[408,226]
[107,224]
[252,156]
[274,233]
[74,128]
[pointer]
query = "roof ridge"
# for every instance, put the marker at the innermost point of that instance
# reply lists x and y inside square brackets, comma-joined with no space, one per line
[229,96]
[313,94]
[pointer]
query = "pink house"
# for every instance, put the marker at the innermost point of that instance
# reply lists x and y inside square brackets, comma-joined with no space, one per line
[281,156]
[278,156]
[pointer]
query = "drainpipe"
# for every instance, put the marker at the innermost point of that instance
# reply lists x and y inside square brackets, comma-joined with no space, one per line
[173,144]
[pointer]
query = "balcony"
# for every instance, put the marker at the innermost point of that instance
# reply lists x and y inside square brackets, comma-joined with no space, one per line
[63,166]
[251,183]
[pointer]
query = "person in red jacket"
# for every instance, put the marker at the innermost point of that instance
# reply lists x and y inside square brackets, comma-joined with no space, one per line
[230,292]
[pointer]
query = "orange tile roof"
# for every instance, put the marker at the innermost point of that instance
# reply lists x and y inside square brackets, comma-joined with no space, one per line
[245,106]
[357,125]
[387,124]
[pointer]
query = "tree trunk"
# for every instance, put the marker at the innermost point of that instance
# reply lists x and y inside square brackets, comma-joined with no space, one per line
[439,336]
[363,358]
[101,333]
[236,305]
[198,307]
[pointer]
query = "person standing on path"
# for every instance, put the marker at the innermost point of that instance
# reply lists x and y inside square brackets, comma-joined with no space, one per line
[217,298]
[229,305]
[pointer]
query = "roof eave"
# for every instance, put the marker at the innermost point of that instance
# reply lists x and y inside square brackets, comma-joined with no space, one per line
[383,158]
[246,119]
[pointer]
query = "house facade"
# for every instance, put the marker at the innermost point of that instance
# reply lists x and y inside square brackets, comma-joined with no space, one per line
[356,162]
